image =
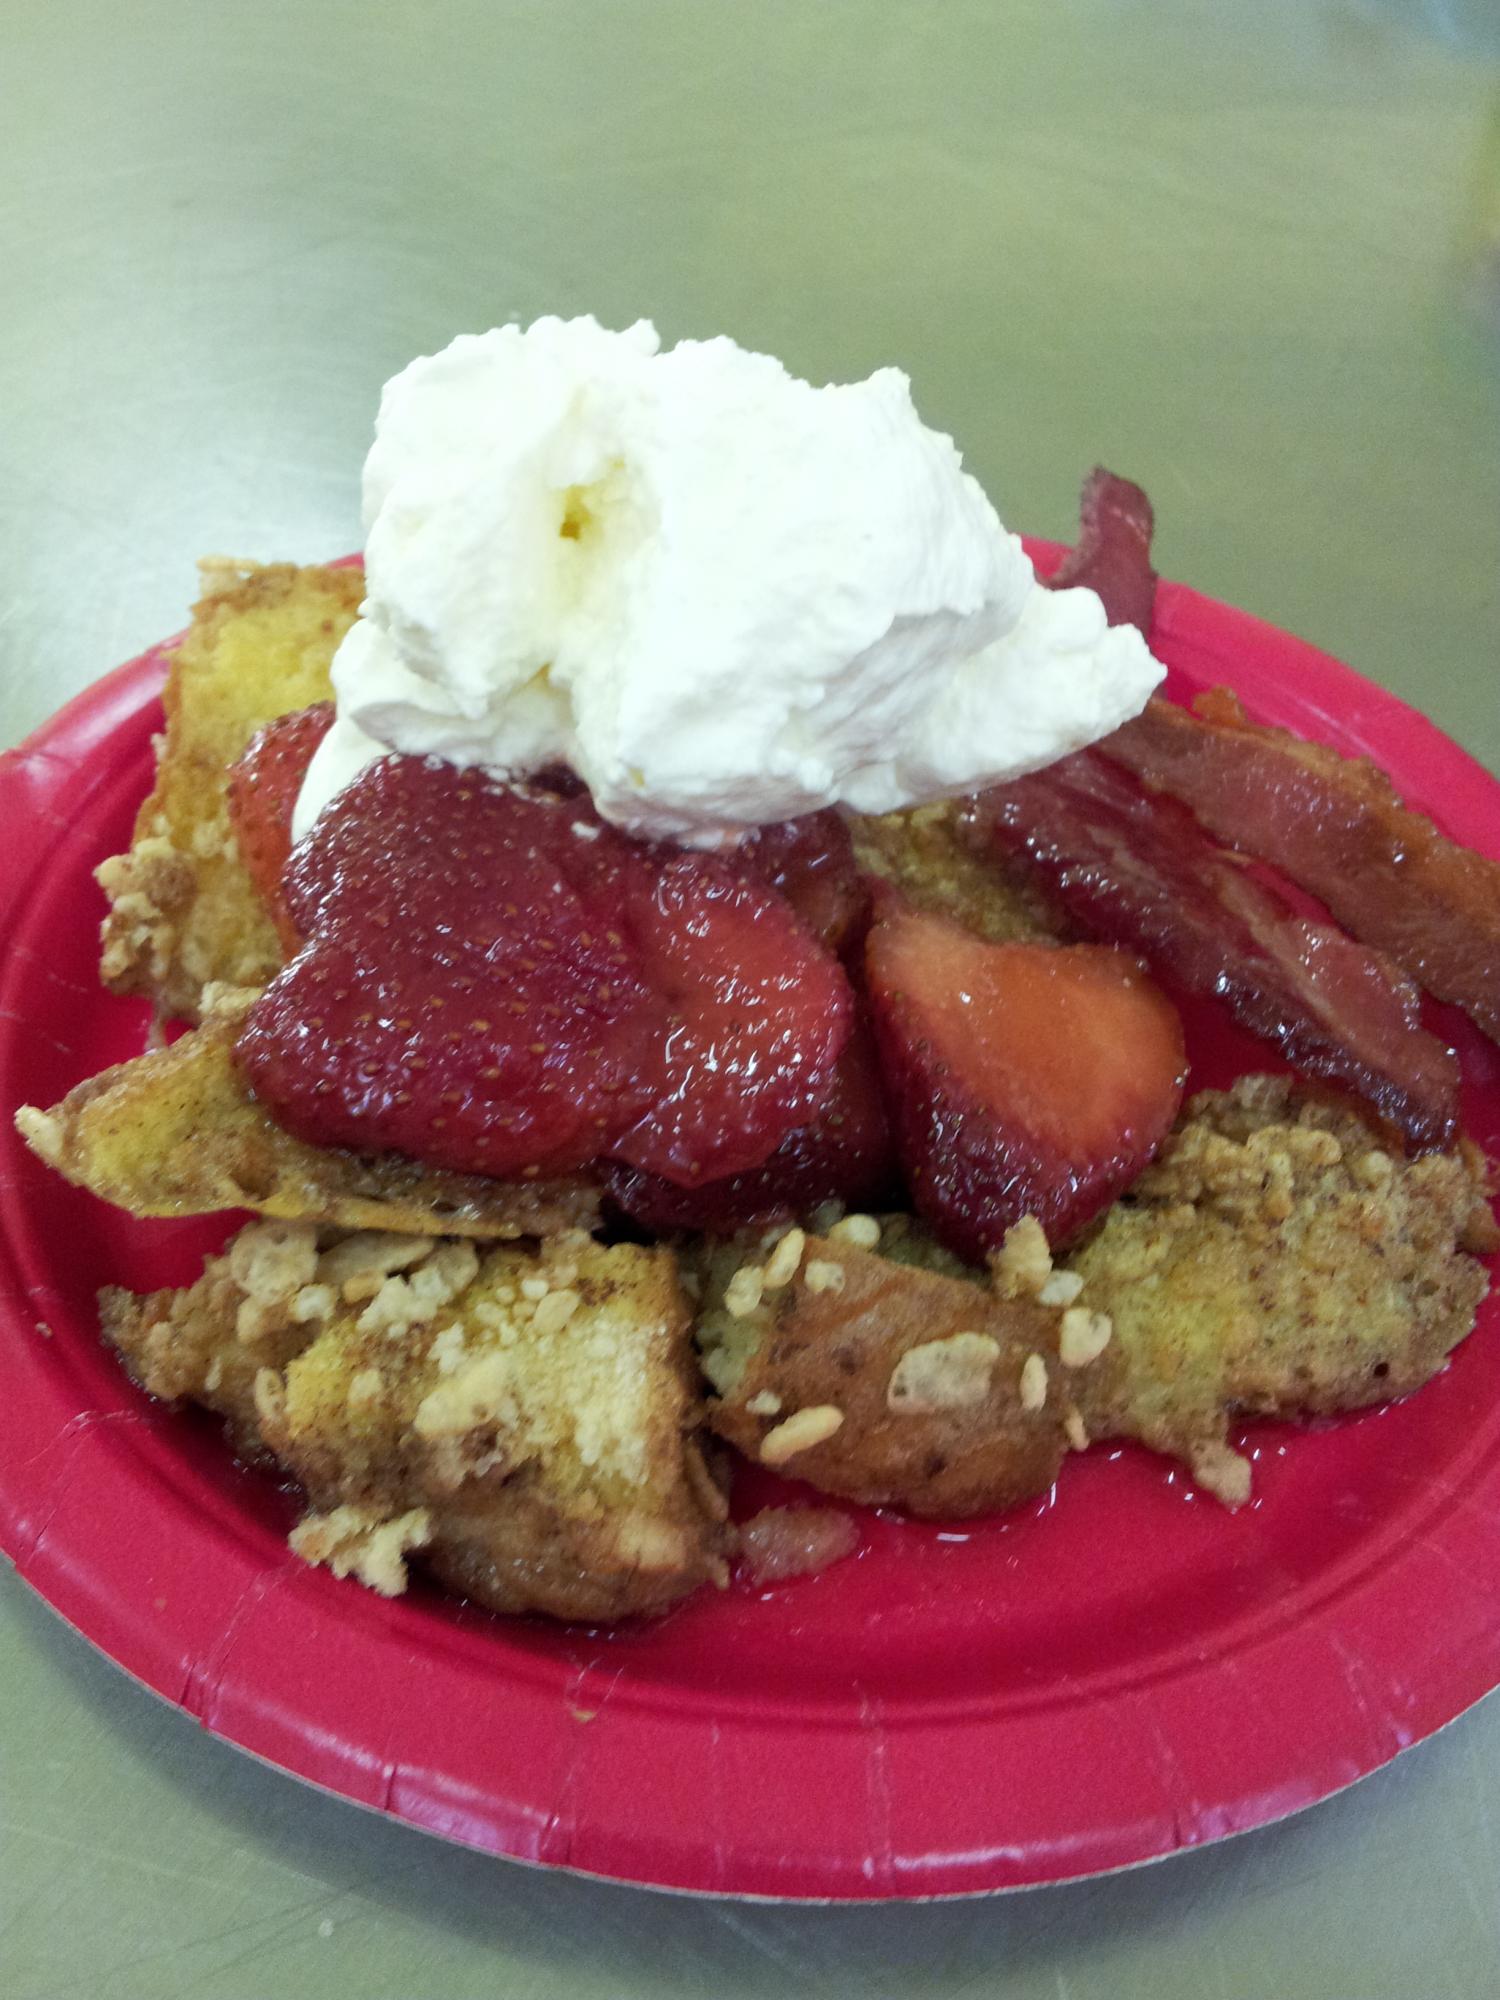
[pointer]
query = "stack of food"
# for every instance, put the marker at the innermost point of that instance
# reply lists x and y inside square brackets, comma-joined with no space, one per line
[684,956]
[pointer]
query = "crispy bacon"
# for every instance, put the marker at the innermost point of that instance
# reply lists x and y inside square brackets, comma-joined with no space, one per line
[1335,825]
[1113,553]
[1136,870]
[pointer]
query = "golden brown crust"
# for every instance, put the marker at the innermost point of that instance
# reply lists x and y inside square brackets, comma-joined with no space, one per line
[170,1342]
[933,1380]
[183,913]
[538,1452]
[176,1132]
[1276,1260]
[926,854]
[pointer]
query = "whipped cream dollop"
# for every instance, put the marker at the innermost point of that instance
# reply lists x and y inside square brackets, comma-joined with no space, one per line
[720,595]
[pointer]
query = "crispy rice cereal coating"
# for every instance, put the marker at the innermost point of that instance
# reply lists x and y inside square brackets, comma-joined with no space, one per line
[526,1419]
[183,913]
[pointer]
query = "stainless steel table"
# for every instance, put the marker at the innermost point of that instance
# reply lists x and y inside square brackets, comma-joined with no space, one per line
[1250,256]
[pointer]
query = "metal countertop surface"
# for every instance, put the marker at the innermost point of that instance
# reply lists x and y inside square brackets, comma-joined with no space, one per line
[1250,257]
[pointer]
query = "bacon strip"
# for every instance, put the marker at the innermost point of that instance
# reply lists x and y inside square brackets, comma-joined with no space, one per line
[1136,870]
[1113,553]
[1335,825]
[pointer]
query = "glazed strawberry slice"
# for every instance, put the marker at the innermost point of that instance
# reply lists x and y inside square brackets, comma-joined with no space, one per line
[494,980]
[263,788]
[758,1013]
[466,995]
[846,1154]
[1023,1079]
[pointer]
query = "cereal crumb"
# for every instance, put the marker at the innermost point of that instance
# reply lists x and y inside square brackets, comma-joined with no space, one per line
[743,1292]
[447,1348]
[943,1374]
[1083,1336]
[823,1275]
[357,1267]
[313,1302]
[555,1310]
[355,1541]
[402,1303]
[477,1395]
[1061,1289]
[271,1261]
[781,1265]
[800,1432]
[1222,1472]
[1024,1262]
[1033,1382]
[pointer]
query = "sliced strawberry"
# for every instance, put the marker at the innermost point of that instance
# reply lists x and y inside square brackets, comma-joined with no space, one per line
[1023,1079]
[811,861]
[496,981]
[846,1154]
[467,995]
[263,788]
[759,1015]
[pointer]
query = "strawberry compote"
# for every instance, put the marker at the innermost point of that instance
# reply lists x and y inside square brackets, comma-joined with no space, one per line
[846,1154]
[263,788]
[493,979]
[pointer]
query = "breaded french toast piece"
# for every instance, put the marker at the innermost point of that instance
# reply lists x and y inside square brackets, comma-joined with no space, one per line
[183,913]
[883,1381]
[176,1132]
[524,1420]
[1276,1260]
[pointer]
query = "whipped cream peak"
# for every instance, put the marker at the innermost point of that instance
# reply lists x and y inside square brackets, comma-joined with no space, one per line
[722,596]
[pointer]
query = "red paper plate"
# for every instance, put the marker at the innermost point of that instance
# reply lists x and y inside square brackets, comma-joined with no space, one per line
[1119,1671]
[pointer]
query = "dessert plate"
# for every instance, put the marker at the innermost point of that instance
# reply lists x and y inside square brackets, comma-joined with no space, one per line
[1116,1672]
